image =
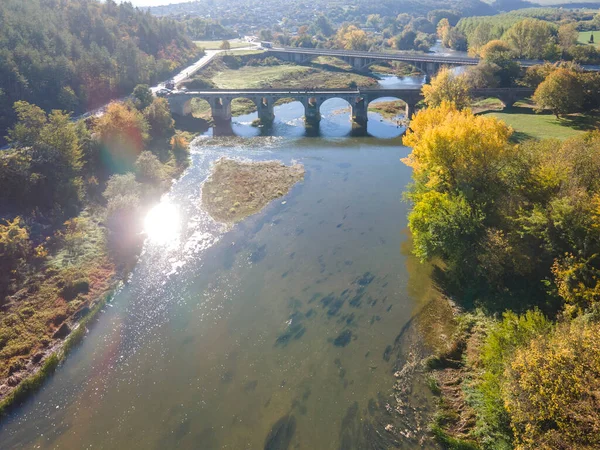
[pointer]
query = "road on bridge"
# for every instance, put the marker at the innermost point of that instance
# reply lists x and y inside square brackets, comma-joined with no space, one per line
[407,57]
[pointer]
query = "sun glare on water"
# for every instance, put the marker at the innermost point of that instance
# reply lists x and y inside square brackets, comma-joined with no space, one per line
[163,224]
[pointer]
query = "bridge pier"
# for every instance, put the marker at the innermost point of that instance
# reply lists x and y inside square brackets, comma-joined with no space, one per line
[410,110]
[265,110]
[221,109]
[312,113]
[360,112]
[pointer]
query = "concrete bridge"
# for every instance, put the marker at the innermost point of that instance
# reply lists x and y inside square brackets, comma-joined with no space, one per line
[427,63]
[358,99]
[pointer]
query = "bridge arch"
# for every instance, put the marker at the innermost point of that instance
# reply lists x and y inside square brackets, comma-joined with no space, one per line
[242,106]
[336,106]
[200,108]
[389,107]
[290,109]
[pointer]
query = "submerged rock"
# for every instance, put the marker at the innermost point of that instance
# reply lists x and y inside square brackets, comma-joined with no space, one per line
[343,339]
[281,434]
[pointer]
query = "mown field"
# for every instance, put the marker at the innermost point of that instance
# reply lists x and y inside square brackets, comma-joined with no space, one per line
[315,75]
[215,45]
[584,37]
[528,124]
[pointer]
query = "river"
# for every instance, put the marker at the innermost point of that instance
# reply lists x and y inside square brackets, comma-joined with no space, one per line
[283,331]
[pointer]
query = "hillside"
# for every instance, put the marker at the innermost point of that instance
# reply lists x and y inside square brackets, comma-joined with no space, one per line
[78,54]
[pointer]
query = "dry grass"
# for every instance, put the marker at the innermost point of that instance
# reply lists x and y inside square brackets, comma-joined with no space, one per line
[68,285]
[238,189]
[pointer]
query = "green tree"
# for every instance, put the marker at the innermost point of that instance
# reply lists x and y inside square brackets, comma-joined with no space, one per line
[405,40]
[265,35]
[561,92]
[499,53]
[480,36]
[225,45]
[62,134]
[483,75]
[530,38]
[31,119]
[374,21]
[148,169]
[143,96]
[159,119]
[324,26]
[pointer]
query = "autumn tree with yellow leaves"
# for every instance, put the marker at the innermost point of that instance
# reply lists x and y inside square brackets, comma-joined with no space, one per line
[447,86]
[552,391]
[350,37]
[456,158]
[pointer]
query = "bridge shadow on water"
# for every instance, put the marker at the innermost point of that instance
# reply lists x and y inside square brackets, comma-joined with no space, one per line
[377,130]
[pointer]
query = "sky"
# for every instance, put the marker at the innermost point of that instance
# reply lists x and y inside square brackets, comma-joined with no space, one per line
[155,2]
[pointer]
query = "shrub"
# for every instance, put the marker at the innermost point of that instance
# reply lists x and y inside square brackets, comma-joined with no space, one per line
[123,196]
[552,389]
[160,121]
[503,340]
[148,168]
[180,147]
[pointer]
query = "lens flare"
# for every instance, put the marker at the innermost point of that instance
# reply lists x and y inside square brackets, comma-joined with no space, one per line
[163,224]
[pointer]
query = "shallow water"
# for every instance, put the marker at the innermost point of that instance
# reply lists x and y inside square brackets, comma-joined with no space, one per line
[283,331]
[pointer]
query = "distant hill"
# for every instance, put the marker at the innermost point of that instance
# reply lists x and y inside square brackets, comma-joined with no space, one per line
[77,54]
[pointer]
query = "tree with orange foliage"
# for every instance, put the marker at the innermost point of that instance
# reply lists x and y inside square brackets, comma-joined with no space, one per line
[122,131]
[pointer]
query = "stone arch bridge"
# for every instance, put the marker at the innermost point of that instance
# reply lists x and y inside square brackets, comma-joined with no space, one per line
[358,99]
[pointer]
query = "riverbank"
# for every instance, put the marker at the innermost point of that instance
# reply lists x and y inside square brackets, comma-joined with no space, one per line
[70,278]
[237,189]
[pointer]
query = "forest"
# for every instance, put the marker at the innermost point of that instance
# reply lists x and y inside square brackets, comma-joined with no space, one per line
[75,55]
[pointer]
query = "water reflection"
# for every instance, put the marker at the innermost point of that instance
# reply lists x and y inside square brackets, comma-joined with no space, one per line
[162,224]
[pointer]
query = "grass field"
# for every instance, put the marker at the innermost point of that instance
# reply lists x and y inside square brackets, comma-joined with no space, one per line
[289,75]
[584,37]
[215,45]
[528,124]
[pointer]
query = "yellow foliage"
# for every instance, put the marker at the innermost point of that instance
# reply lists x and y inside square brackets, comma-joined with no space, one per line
[494,48]
[352,38]
[578,281]
[452,147]
[14,240]
[552,391]
[446,86]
